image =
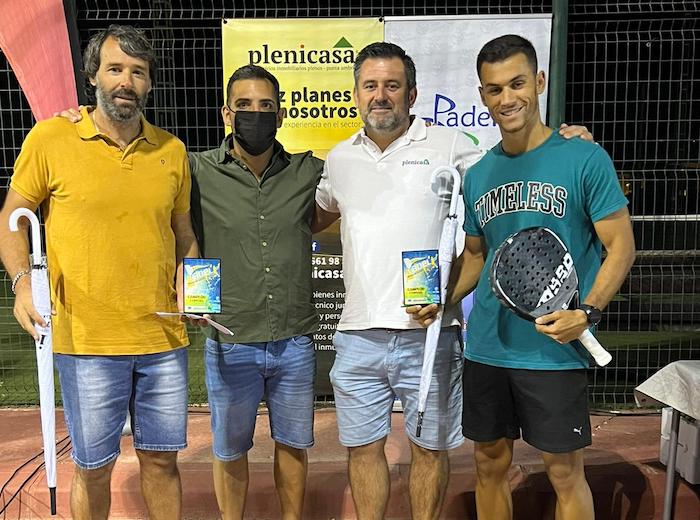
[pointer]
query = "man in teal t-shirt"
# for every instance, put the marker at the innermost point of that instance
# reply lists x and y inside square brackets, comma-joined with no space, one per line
[566,186]
[519,376]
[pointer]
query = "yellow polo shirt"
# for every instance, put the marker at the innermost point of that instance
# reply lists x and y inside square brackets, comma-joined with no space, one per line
[109,239]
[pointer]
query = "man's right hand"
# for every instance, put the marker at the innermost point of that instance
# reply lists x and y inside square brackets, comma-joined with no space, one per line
[24,311]
[72,114]
[423,314]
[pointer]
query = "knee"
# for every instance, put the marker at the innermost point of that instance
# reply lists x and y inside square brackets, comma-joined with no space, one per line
[565,473]
[236,467]
[368,452]
[426,456]
[291,452]
[157,462]
[492,460]
[95,477]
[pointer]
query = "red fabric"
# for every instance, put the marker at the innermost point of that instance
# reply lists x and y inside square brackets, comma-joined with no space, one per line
[34,38]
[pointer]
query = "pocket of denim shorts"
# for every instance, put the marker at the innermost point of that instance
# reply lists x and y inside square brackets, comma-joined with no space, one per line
[302,341]
[216,348]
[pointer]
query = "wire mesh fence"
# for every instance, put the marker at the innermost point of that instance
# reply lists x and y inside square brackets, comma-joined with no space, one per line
[632,78]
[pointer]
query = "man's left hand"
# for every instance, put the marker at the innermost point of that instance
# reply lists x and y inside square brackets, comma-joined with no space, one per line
[562,326]
[575,131]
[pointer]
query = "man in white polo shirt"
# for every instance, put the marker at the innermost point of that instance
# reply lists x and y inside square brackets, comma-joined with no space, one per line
[380,181]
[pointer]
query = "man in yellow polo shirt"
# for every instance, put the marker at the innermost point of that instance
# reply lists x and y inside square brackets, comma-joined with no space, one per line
[114,192]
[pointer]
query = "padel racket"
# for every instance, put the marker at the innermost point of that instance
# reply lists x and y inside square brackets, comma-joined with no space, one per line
[533,274]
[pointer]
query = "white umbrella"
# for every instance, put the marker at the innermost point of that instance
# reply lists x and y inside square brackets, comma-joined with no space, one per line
[41,298]
[446,254]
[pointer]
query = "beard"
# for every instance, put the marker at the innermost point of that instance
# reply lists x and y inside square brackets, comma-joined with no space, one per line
[386,123]
[118,112]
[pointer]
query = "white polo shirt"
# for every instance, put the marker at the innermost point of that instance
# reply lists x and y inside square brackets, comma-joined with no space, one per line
[388,204]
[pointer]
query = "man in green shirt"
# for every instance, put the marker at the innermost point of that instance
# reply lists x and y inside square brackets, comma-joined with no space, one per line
[252,204]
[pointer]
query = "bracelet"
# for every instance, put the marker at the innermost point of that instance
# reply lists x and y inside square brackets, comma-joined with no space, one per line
[17,278]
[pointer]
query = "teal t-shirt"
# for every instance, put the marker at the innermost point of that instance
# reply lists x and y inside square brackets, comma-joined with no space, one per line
[565,185]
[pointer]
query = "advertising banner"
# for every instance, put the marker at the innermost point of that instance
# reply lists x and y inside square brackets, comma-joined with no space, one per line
[444,50]
[312,59]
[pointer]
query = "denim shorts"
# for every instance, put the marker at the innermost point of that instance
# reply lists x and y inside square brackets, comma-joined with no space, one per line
[373,366]
[98,390]
[240,375]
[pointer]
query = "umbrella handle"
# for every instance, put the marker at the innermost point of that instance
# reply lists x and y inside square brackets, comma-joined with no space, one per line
[456,185]
[36,231]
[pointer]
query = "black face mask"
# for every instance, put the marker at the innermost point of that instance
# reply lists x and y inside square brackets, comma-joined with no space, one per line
[255,131]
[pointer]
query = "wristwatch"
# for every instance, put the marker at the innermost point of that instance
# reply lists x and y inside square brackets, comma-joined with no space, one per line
[593,314]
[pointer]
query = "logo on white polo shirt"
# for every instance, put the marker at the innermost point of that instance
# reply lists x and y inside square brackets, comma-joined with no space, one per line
[416,162]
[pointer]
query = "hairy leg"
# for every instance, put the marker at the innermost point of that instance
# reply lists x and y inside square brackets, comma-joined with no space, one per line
[160,484]
[290,480]
[369,480]
[90,493]
[430,471]
[231,487]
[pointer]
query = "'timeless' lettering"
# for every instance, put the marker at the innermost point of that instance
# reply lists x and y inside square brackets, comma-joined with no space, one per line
[541,197]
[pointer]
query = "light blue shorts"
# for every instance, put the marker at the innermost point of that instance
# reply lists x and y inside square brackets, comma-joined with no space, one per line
[373,366]
[98,390]
[240,375]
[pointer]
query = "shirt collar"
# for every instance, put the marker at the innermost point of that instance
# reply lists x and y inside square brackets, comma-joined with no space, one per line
[223,155]
[418,131]
[278,154]
[87,130]
[148,132]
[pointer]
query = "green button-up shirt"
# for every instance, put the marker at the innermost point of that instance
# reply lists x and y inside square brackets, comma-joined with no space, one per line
[261,232]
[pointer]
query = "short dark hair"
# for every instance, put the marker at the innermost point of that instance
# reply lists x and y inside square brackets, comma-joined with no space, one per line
[131,40]
[386,50]
[251,71]
[503,47]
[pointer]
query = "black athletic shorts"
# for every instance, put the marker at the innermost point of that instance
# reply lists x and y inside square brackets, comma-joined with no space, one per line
[550,407]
